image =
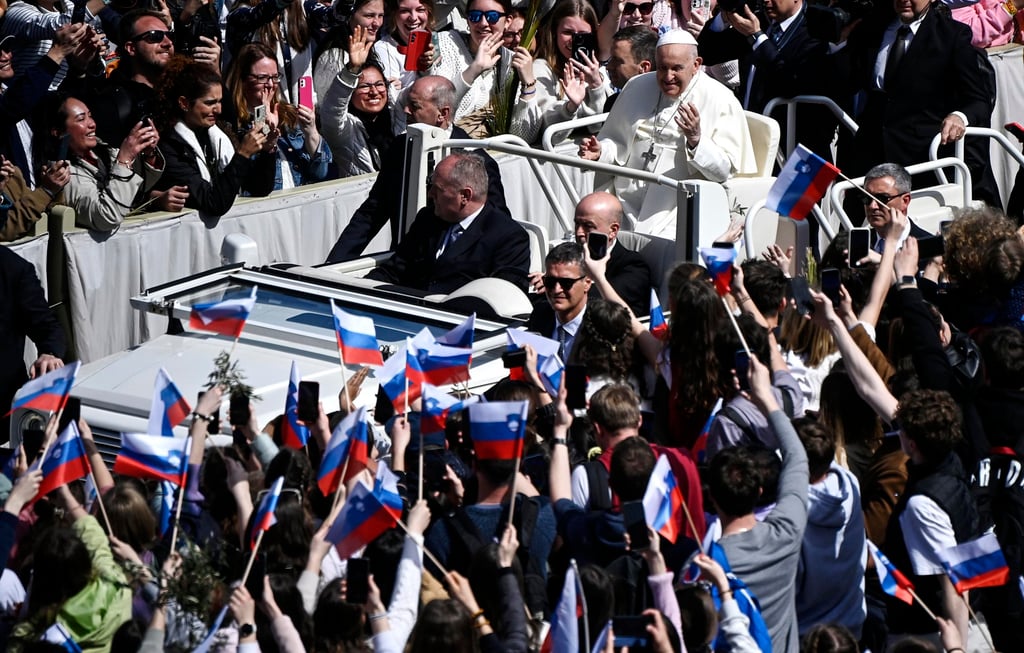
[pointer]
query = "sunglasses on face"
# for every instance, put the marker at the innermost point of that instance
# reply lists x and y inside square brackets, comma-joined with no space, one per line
[153,36]
[565,282]
[881,198]
[475,16]
[644,8]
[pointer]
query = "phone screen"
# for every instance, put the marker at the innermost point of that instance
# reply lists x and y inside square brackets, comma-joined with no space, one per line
[357,581]
[636,525]
[597,243]
[631,631]
[801,295]
[72,411]
[238,412]
[830,284]
[741,363]
[576,387]
[931,247]
[860,244]
[309,401]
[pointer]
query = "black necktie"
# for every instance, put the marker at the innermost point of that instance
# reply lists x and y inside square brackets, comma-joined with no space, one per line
[896,52]
[775,33]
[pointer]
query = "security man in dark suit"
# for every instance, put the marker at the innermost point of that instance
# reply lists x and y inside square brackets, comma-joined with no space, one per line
[458,237]
[430,101]
[919,76]
[778,58]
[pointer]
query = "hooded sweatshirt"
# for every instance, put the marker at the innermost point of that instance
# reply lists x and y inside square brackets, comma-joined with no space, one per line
[830,577]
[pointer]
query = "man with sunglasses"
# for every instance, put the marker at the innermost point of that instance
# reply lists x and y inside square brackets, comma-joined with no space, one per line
[566,285]
[889,184]
[130,94]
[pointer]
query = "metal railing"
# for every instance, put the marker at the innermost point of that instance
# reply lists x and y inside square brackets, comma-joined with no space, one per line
[791,104]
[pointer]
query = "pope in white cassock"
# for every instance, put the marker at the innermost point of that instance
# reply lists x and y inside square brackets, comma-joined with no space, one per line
[676,122]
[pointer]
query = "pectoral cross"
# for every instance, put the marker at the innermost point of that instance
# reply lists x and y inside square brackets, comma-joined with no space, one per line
[649,158]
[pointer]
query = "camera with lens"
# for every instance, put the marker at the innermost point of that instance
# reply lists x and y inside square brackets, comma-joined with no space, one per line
[202,23]
[826,22]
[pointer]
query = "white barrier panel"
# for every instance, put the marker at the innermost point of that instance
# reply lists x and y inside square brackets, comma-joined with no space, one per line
[1008,63]
[105,270]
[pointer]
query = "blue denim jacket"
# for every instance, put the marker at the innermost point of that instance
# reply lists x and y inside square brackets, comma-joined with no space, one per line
[306,169]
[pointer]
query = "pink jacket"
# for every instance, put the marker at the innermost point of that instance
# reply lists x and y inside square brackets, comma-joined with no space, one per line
[989,21]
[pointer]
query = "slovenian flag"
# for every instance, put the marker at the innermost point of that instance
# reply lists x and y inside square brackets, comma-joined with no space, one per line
[357,338]
[659,327]
[894,583]
[265,517]
[49,392]
[460,336]
[718,261]
[293,434]
[169,407]
[497,429]
[65,461]
[153,456]
[663,501]
[436,407]
[801,183]
[392,378]
[348,442]
[978,563]
[225,317]
[430,362]
[549,364]
[564,634]
[59,635]
[385,488]
[363,518]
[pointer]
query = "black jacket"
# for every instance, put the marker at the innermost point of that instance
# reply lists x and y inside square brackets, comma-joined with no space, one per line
[384,203]
[493,246]
[629,275]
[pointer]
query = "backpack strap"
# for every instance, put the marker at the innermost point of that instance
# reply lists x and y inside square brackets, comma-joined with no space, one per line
[597,484]
[734,416]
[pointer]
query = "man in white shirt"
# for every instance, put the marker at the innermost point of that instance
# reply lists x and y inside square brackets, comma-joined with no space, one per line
[566,285]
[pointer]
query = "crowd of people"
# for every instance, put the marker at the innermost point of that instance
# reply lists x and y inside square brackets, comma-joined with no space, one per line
[800,430]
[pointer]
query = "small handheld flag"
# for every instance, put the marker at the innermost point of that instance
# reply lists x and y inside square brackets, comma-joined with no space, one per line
[59,635]
[225,317]
[265,517]
[497,429]
[48,392]
[801,183]
[392,379]
[437,364]
[460,336]
[362,519]
[294,435]
[65,461]
[718,261]
[385,488]
[659,327]
[357,338]
[663,501]
[570,611]
[152,456]
[894,583]
[348,452]
[978,563]
[169,407]
[436,407]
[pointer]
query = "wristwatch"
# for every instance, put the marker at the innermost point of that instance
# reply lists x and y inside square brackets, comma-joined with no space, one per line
[561,441]
[246,630]
[753,37]
[908,280]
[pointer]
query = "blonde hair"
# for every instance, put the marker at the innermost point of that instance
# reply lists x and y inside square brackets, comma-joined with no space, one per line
[804,337]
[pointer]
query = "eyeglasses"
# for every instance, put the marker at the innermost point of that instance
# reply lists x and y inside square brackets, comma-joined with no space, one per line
[881,198]
[153,36]
[380,87]
[475,16]
[512,34]
[265,79]
[565,282]
[644,8]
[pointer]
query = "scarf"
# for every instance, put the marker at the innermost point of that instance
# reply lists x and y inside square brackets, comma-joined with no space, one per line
[218,141]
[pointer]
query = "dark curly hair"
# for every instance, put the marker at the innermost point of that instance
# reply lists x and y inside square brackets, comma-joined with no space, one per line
[970,240]
[931,419]
[829,638]
[604,344]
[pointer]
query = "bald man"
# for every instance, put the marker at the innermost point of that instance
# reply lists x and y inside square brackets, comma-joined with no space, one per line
[430,101]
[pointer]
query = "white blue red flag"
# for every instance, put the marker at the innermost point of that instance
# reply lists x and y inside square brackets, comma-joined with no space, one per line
[357,338]
[265,517]
[363,518]
[800,184]
[663,501]
[564,634]
[718,261]
[225,317]
[65,461]
[293,434]
[392,378]
[59,635]
[385,488]
[153,456]
[349,442]
[437,405]
[978,563]
[460,336]
[894,583]
[498,428]
[430,362]
[658,327]
[49,392]
[169,407]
